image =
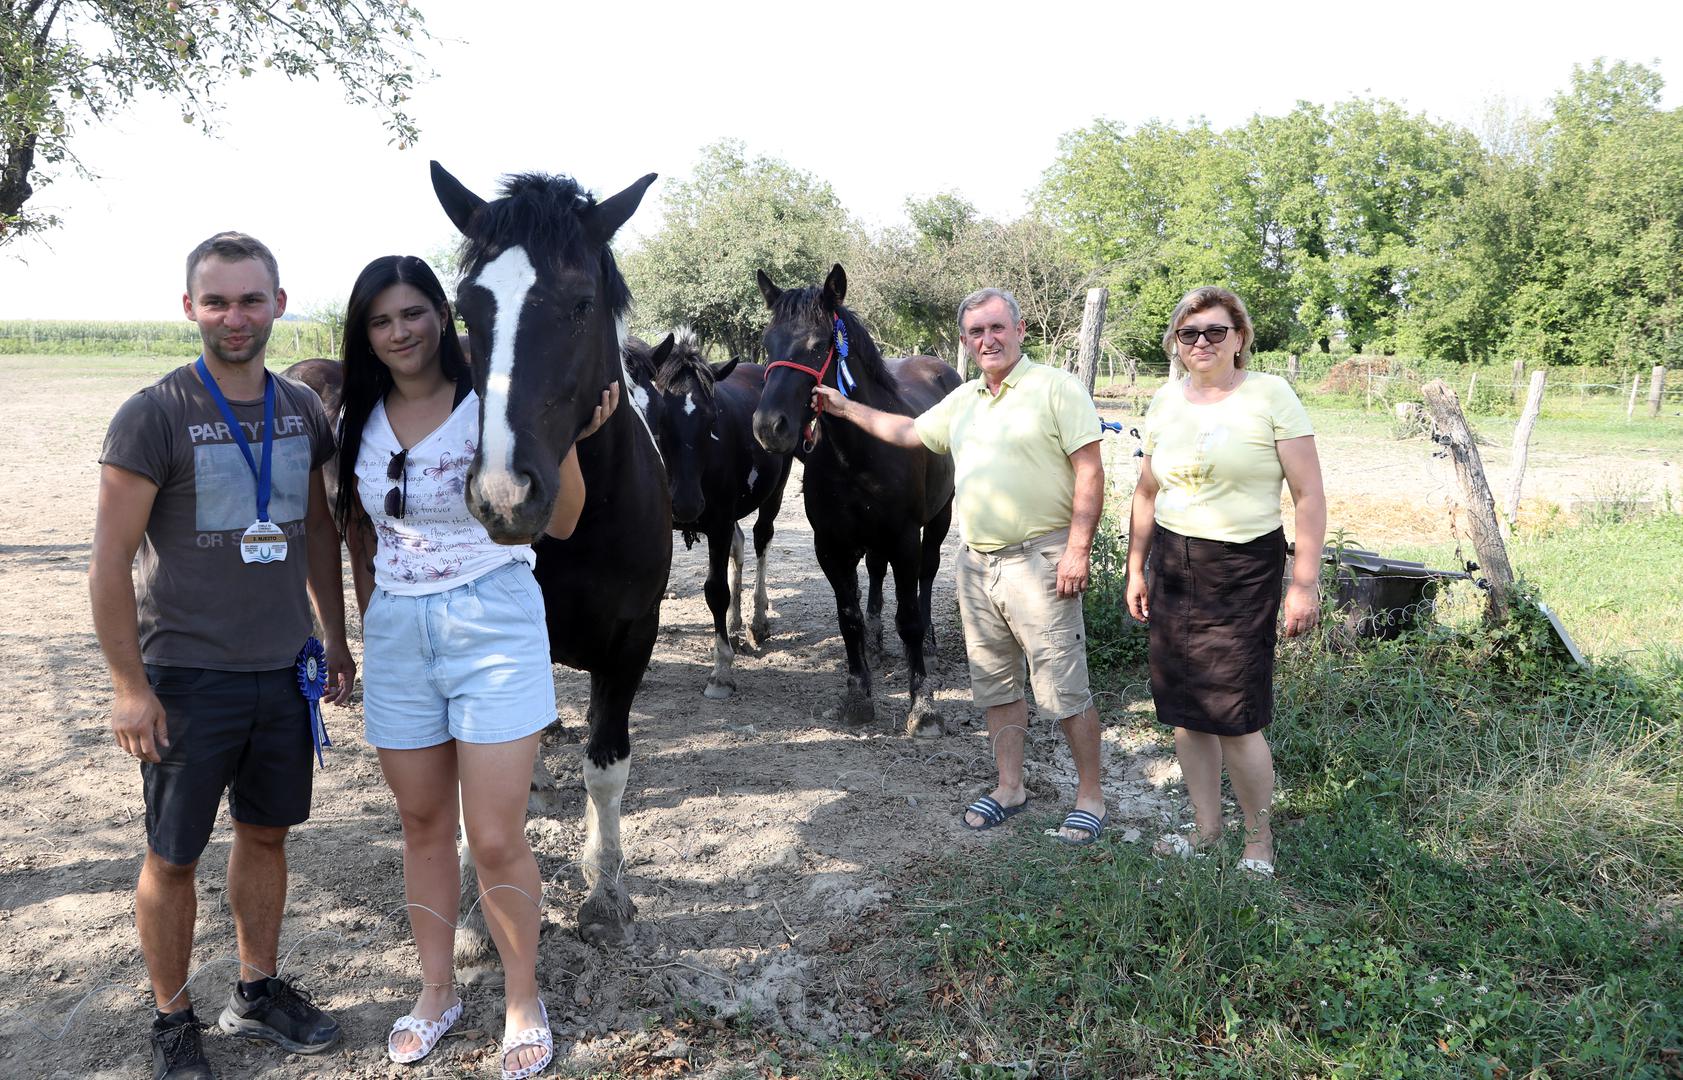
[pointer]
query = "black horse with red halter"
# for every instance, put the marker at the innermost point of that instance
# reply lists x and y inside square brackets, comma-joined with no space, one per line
[864,498]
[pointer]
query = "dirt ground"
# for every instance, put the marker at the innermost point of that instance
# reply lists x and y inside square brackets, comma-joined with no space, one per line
[764,845]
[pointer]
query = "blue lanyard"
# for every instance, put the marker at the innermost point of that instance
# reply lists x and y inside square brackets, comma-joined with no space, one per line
[262,477]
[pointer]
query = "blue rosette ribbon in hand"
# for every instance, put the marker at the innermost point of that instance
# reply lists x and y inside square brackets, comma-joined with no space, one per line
[312,682]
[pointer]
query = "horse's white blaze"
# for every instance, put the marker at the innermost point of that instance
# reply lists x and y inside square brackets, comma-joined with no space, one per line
[639,396]
[604,787]
[689,403]
[508,278]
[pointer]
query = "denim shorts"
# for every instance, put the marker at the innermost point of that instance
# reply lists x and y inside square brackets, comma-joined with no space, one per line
[246,733]
[471,663]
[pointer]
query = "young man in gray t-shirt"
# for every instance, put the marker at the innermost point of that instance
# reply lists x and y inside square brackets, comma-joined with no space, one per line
[213,475]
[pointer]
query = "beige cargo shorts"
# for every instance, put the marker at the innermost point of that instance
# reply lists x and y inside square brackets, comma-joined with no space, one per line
[1018,630]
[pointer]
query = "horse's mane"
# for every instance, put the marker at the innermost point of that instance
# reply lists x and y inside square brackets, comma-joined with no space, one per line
[545,215]
[806,306]
[685,357]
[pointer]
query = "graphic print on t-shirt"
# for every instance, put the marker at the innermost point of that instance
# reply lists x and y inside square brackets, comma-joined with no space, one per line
[1182,484]
[225,492]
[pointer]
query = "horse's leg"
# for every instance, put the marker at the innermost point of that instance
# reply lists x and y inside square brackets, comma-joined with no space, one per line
[876,567]
[841,569]
[921,720]
[764,526]
[607,763]
[473,938]
[934,535]
[736,545]
[722,683]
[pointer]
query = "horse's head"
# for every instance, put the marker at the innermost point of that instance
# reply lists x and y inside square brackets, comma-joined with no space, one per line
[689,418]
[800,344]
[544,305]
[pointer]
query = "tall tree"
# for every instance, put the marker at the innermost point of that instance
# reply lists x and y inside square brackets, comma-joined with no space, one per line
[734,216]
[65,63]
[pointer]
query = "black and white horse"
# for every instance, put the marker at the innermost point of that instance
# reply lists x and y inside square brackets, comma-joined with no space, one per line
[545,307]
[719,475]
[863,496]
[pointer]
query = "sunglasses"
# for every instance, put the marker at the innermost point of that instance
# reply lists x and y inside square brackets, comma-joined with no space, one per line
[397,499]
[1187,335]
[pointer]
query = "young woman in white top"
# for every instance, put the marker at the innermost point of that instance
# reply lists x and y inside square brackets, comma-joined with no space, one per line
[457,683]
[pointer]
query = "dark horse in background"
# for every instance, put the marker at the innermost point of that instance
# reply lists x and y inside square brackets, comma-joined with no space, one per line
[545,308]
[718,475]
[863,496]
[327,379]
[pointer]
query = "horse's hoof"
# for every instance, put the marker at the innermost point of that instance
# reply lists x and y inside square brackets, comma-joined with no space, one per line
[604,914]
[925,724]
[857,710]
[473,944]
[719,691]
[760,629]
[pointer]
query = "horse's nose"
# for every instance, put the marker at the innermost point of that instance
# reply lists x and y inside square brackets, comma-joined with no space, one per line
[773,432]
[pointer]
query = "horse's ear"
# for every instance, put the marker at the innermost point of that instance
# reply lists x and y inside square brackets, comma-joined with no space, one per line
[662,351]
[767,289]
[721,372]
[609,214]
[835,289]
[458,202]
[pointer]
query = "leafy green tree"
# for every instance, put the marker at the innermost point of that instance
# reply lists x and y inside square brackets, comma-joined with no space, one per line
[65,63]
[732,217]
[1607,285]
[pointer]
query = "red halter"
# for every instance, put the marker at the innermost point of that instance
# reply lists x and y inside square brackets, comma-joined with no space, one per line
[810,436]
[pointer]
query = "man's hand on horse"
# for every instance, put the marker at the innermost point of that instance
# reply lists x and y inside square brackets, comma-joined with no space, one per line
[828,399]
[610,402]
[139,723]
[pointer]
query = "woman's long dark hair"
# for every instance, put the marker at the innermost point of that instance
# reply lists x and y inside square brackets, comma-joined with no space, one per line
[366,378]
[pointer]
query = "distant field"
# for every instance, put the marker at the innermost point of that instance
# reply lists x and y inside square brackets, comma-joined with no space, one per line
[293,339]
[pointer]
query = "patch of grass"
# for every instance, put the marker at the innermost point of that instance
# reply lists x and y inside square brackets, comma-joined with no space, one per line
[1481,849]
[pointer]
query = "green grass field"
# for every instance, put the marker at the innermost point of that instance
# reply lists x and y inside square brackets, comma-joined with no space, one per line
[1481,849]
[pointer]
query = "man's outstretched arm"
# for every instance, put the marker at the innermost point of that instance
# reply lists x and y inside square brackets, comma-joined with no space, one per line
[889,427]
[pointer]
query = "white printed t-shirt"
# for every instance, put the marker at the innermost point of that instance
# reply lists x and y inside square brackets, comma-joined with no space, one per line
[436,544]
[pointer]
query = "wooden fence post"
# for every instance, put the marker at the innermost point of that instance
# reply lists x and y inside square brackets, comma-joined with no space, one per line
[1522,441]
[1472,381]
[1450,429]
[1656,388]
[1292,369]
[1092,333]
[1630,406]
[1519,377]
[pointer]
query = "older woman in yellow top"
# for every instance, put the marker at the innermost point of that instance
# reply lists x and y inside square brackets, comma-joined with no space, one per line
[1206,512]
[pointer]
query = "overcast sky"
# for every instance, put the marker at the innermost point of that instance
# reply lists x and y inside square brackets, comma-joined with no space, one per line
[884,100]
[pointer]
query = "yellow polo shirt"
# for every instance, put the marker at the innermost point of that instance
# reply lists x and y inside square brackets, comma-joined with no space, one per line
[1218,473]
[1011,452]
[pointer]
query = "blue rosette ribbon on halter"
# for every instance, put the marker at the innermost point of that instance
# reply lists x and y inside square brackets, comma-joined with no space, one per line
[312,682]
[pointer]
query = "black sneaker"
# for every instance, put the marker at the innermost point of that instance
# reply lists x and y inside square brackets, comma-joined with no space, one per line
[283,1016]
[177,1051]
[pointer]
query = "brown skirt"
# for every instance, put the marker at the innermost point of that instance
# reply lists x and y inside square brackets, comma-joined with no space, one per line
[1214,606]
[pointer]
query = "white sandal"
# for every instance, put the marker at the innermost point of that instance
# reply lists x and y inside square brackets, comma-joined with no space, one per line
[533,1036]
[1259,867]
[428,1031]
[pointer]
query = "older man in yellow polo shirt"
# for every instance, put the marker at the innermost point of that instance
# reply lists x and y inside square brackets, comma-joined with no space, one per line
[1030,485]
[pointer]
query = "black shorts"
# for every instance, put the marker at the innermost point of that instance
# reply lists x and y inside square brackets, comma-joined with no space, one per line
[243,732]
